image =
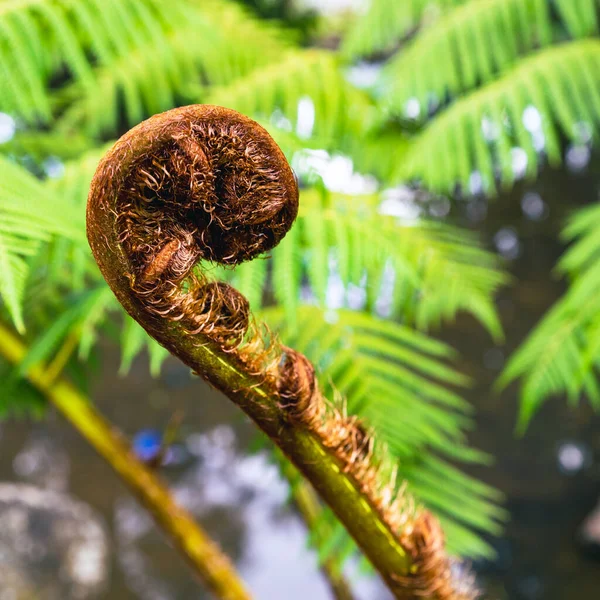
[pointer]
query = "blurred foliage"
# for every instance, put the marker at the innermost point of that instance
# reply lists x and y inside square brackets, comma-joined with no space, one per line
[486,93]
[439,92]
[562,355]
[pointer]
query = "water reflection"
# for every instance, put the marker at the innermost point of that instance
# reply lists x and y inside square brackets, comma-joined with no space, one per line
[577,158]
[507,243]
[43,462]
[534,208]
[227,489]
[51,546]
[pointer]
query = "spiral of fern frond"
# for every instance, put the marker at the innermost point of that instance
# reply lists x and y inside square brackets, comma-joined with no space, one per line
[207,184]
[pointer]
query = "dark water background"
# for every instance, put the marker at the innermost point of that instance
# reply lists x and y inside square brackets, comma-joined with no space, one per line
[239,499]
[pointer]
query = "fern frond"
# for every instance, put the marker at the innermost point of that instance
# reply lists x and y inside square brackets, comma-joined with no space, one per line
[129,81]
[132,343]
[287,274]
[212,43]
[465,48]
[22,64]
[551,92]
[29,214]
[13,274]
[334,108]
[561,355]
[387,22]
[579,16]
[397,380]
[37,146]
[143,52]
[379,152]
[40,37]
[436,270]
[245,42]
[90,304]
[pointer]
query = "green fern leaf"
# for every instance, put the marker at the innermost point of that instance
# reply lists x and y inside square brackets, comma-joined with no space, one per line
[29,215]
[18,398]
[561,355]
[158,354]
[287,274]
[132,343]
[557,84]
[314,234]
[250,279]
[438,270]
[468,47]
[89,304]
[13,274]
[165,60]
[313,77]
[387,22]
[580,16]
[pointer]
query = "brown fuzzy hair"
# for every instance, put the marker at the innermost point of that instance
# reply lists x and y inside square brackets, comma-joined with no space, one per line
[204,183]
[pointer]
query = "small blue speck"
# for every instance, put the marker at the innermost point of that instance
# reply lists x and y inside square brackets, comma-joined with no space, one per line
[147,444]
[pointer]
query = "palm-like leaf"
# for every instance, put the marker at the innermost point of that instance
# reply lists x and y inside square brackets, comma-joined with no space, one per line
[39,37]
[387,22]
[29,214]
[550,93]
[208,43]
[467,47]
[334,108]
[562,354]
[144,53]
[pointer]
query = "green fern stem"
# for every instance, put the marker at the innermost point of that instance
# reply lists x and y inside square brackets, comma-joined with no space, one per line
[204,182]
[213,567]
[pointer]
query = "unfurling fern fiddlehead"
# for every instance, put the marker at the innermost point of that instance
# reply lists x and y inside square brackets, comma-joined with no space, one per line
[204,183]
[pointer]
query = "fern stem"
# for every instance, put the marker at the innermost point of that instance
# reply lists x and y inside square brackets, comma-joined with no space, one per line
[205,182]
[209,562]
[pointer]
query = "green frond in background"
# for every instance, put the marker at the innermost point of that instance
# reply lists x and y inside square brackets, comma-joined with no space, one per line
[562,355]
[436,270]
[552,92]
[387,22]
[400,382]
[579,16]
[41,38]
[205,44]
[468,47]
[18,398]
[145,54]
[334,109]
[487,91]
[29,215]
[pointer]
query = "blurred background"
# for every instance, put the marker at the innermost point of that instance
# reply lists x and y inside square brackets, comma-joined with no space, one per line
[442,275]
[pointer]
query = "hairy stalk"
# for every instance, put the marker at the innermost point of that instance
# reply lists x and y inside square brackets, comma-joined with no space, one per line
[204,183]
[202,553]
